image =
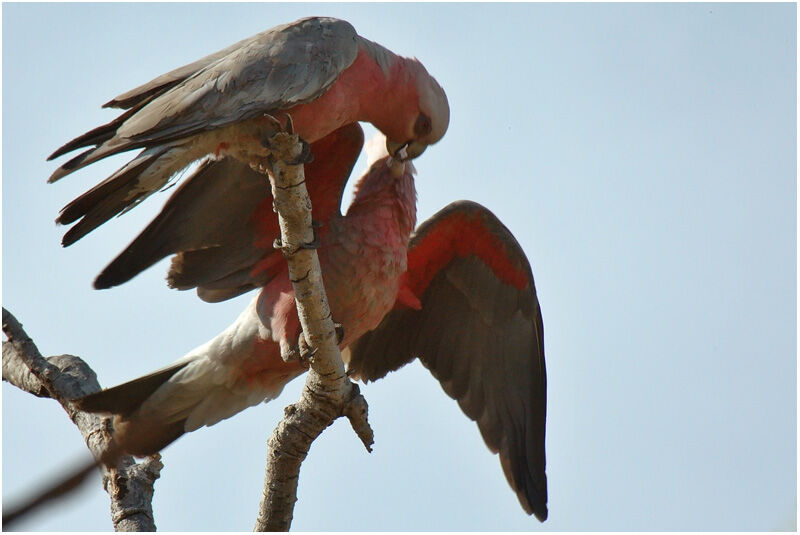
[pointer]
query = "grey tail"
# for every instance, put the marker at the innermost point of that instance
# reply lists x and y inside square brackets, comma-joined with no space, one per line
[126,398]
[96,136]
[113,196]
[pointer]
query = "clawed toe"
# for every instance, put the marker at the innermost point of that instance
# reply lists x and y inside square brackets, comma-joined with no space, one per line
[306,351]
[290,354]
[305,155]
[339,328]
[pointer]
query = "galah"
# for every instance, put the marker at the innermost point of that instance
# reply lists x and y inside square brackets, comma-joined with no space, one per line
[459,295]
[313,75]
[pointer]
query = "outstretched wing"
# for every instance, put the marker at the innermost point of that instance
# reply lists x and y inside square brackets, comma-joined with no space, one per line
[221,224]
[276,69]
[479,331]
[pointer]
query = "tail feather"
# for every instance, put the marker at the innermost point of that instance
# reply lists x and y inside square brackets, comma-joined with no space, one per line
[119,180]
[143,438]
[128,397]
[95,136]
[138,179]
[235,370]
[133,435]
[92,155]
[70,166]
[237,278]
[232,285]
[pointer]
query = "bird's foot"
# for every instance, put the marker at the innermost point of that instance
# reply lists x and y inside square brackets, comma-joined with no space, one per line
[268,126]
[301,352]
[289,124]
[275,126]
[305,351]
[339,328]
[305,155]
[290,250]
[289,353]
[314,243]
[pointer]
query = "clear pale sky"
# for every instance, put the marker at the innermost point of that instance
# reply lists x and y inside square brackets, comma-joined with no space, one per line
[644,155]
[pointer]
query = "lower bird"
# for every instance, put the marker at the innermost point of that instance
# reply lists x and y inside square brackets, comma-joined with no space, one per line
[458,294]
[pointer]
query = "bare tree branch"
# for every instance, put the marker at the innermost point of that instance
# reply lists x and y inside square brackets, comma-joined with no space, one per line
[63,378]
[328,393]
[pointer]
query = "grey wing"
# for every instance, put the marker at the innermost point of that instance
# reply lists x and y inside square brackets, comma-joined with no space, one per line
[479,332]
[164,82]
[135,99]
[279,68]
[276,69]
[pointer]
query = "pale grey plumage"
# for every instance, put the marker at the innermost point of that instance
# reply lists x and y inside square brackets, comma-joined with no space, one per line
[282,67]
[279,68]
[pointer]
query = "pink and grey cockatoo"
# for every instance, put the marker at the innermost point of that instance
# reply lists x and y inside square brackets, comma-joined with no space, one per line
[458,294]
[316,74]
[461,292]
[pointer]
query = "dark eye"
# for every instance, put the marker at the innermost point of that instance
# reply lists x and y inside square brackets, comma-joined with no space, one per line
[423,125]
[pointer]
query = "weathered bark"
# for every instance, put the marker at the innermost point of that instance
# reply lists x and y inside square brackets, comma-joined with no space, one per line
[63,378]
[328,393]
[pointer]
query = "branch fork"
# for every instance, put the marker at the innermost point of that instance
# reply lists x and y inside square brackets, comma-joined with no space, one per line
[63,378]
[328,393]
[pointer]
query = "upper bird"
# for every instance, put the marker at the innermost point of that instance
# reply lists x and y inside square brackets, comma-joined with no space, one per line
[318,71]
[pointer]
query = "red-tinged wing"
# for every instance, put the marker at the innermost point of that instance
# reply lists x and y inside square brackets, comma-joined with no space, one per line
[221,226]
[479,331]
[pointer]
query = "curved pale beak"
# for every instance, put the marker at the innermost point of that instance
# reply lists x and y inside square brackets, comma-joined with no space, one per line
[405,151]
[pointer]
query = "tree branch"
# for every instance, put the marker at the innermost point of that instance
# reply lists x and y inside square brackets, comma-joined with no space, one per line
[63,378]
[328,393]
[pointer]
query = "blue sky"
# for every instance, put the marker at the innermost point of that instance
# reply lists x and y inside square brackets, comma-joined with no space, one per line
[644,155]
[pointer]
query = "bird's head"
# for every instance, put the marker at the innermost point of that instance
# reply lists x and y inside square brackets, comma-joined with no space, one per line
[429,122]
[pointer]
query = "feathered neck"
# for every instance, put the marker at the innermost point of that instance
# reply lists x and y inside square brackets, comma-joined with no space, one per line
[387,184]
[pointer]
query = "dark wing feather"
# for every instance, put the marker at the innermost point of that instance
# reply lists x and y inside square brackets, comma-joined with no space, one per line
[210,207]
[221,226]
[479,332]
